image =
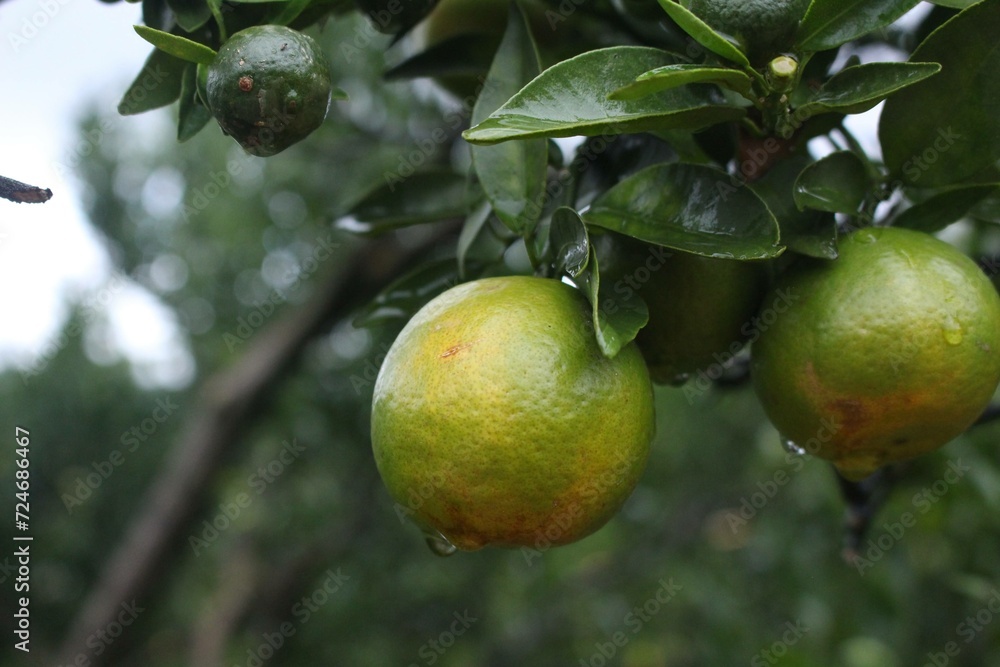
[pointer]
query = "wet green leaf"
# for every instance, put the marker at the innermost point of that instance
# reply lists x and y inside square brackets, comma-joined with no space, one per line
[838,183]
[571,99]
[702,33]
[809,232]
[193,115]
[408,294]
[944,208]
[947,129]
[157,84]
[689,207]
[673,76]
[512,174]
[570,242]
[830,23]
[617,320]
[859,88]
[177,46]
[426,196]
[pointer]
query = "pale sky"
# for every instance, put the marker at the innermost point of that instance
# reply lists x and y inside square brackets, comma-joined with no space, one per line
[58,57]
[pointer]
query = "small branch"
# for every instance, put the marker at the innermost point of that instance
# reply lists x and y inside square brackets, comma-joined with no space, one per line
[864,499]
[229,402]
[991,413]
[22,193]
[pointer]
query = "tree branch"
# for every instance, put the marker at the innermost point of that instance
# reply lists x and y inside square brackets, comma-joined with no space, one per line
[22,193]
[230,401]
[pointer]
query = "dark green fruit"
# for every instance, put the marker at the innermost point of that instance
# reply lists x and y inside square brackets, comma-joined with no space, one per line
[269,87]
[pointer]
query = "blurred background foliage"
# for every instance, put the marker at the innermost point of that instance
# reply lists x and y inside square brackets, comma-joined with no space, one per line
[212,255]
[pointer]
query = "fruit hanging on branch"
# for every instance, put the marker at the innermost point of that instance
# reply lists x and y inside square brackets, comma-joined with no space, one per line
[883,354]
[269,87]
[497,420]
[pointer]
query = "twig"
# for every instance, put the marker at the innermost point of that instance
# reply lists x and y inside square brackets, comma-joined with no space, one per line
[22,193]
[991,413]
[230,401]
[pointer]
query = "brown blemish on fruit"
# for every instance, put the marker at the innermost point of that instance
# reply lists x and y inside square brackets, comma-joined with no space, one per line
[246,83]
[455,349]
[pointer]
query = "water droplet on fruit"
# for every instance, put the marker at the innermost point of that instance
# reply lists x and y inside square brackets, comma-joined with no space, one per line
[679,380]
[789,446]
[952,331]
[439,544]
[865,236]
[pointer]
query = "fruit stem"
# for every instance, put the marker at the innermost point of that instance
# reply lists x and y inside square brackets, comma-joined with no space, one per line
[864,499]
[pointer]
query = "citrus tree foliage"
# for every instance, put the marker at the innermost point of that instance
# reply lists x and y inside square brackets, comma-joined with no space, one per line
[695,137]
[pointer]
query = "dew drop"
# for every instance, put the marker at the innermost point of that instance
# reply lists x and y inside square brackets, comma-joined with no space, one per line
[866,236]
[952,331]
[789,446]
[439,544]
[679,380]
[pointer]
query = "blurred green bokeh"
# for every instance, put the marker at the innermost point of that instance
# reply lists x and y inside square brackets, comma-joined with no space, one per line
[729,551]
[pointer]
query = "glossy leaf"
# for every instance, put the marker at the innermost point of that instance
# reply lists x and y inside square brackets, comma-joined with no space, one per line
[177,46]
[809,232]
[157,84]
[570,242]
[689,207]
[571,98]
[944,208]
[830,23]
[947,129]
[954,4]
[423,197]
[190,14]
[477,240]
[462,55]
[404,297]
[702,33]
[617,320]
[395,16]
[859,88]
[512,174]
[192,115]
[838,183]
[673,76]
[156,14]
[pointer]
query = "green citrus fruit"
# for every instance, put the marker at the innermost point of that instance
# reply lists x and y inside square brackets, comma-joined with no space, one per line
[763,28]
[885,353]
[496,419]
[700,308]
[269,87]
